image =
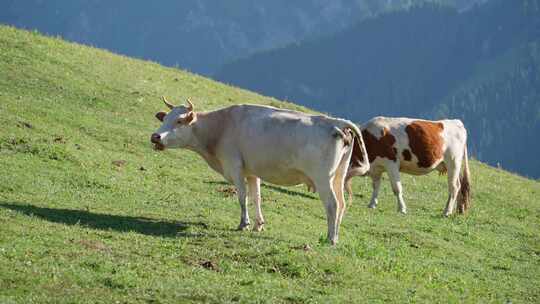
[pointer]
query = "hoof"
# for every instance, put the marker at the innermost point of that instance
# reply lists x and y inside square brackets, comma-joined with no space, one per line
[370,206]
[332,241]
[258,227]
[243,227]
[403,211]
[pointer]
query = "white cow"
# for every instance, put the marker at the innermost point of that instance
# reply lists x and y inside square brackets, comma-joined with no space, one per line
[247,143]
[416,147]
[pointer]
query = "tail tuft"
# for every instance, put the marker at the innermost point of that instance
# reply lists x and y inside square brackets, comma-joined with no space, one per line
[464,196]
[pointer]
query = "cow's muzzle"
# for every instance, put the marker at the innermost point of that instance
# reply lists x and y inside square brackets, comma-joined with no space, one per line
[156,140]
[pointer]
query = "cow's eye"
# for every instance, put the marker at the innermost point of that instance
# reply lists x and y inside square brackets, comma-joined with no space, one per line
[181,121]
[186,119]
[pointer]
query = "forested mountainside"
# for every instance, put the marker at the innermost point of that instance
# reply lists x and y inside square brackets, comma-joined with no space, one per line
[501,107]
[480,65]
[198,35]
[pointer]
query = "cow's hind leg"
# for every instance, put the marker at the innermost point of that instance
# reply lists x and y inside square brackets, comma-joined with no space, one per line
[338,190]
[338,185]
[453,166]
[254,186]
[376,183]
[395,182]
[330,202]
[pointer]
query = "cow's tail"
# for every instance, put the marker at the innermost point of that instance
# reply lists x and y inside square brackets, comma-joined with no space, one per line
[348,187]
[343,124]
[464,195]
[359,164]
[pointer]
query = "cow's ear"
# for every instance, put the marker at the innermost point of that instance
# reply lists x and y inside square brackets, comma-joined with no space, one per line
[191,117]
[160,115]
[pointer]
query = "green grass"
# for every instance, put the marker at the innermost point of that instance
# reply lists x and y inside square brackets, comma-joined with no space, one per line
[78,226]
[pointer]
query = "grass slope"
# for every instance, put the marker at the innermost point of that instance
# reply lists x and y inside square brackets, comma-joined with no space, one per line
[90,213]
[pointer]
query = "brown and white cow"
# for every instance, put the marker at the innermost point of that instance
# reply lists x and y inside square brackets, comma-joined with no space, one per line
[416,147]
[247,143]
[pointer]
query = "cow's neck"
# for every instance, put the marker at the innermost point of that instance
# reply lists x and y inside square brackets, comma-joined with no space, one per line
[207,132]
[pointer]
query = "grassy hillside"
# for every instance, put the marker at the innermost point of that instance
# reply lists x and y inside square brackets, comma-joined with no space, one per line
[90,213]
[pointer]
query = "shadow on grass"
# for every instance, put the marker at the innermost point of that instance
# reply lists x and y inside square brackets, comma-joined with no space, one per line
[272,187]
[122,223]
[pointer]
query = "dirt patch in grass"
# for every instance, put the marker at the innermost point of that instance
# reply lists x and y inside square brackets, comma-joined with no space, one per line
[227,191]
[94,245]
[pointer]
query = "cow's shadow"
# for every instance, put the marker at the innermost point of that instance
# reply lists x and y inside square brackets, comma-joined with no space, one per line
[272,187]
[122,223]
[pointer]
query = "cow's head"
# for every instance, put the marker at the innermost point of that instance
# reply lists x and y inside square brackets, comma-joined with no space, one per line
[176,128]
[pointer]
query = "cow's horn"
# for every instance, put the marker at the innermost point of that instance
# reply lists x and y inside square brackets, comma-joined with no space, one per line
[190,105]
[169,105]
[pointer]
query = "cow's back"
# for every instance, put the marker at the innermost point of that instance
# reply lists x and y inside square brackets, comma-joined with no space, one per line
[267,125]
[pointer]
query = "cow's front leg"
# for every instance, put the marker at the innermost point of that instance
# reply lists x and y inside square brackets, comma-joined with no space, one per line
[240,184]
[254,186]
[242,199]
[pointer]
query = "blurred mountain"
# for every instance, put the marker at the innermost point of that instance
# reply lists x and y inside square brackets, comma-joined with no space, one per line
[481,65]
[198,35]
